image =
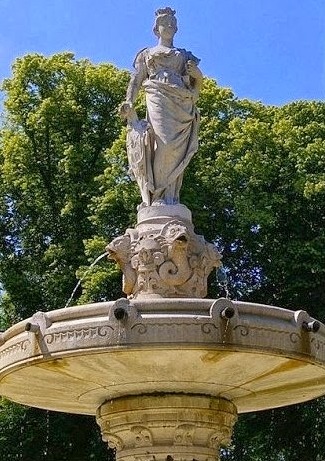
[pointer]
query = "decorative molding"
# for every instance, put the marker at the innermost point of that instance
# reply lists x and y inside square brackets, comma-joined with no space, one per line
[220,438]
[166,260]
[243,329]
[80,334]
[184,434]
[295,337]
[318,344]
[140,328]
[142,436]
[207,328]
[246,330]
[16,348]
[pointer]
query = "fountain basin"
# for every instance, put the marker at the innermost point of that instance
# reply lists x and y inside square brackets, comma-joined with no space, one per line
[75,359]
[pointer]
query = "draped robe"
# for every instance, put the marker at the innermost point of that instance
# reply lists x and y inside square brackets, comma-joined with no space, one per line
[160,149]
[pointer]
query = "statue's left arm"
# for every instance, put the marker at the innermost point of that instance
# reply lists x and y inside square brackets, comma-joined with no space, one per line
[194,73]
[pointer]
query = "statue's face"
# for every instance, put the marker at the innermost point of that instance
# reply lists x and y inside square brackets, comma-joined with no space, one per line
[166,27]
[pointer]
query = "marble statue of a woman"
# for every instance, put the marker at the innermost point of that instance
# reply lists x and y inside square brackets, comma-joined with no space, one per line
[162,256]
[160,147]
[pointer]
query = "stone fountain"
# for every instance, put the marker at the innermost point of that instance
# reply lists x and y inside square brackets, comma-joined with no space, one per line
[165,370]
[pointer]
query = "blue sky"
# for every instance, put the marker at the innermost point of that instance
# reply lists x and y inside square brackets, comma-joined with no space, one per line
[267,50]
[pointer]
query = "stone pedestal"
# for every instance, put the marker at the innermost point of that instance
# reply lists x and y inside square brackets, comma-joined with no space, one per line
[162,256]
[167,427]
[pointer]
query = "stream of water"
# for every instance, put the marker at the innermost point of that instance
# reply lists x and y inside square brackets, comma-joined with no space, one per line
[84,275]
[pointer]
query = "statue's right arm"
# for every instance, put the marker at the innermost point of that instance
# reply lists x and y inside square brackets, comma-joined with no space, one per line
[139,75]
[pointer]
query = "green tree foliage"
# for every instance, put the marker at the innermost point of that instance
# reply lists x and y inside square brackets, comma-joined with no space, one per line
[30,434]
[61,116]
[266,206]
[256,188]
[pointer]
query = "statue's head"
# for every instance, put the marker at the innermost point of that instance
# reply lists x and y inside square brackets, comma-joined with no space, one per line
[165,17]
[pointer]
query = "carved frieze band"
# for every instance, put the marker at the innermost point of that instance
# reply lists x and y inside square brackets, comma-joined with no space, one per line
[80,334]
[242,330]
[15,348]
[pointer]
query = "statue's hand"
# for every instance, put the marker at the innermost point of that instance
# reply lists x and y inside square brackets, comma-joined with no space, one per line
[126,110]
[193,70]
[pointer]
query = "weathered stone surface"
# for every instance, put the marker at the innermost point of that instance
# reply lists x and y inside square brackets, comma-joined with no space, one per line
[261,357]
[163,257]
[167,427]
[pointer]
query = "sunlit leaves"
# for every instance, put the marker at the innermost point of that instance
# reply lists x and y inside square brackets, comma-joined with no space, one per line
[61,117]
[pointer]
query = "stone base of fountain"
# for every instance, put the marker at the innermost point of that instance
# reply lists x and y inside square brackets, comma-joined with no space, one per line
[167,426]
